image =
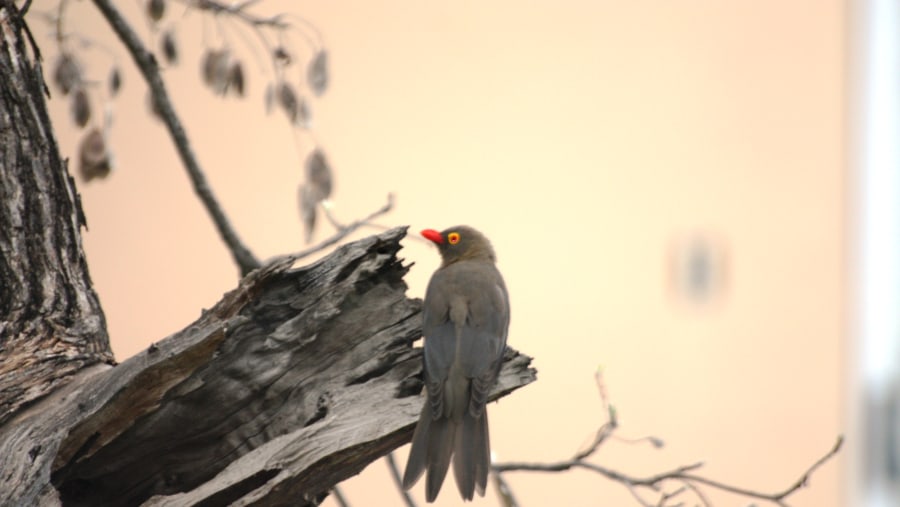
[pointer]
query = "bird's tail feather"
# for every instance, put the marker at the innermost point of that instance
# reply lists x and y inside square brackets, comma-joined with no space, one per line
[415,464]
[471,460]
[432,447]
[440,447]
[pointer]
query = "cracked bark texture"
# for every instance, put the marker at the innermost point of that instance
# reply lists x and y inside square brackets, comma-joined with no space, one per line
[294,381]
[51,323]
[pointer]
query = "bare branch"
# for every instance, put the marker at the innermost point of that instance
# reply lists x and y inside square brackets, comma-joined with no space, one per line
[682,473]
[339,496]
[146,63]
[778,497]
[239,10]
[602,434]
[395,474]
[507,499]
[700,495]
[804,479]
[343,231]
[637,496]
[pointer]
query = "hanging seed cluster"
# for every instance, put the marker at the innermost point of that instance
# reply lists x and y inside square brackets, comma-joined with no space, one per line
[94,159]
[223,72]
[69,78]
[316,189]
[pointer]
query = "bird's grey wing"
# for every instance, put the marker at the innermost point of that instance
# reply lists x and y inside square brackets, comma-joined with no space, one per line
[483,334]
[483,340]
[440,343]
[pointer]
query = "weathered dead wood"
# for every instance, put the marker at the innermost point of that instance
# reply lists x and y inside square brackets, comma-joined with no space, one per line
[293,382]
[51,323]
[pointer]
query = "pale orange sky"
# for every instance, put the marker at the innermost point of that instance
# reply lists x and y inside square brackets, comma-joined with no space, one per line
[584,138]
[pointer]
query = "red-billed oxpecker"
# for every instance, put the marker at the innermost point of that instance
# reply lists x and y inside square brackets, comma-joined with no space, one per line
[466,316]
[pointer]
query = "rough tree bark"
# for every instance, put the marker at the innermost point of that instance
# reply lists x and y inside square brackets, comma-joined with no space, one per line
[52,325]
[295,380]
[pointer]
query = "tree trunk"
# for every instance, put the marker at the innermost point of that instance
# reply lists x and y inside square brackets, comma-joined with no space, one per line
[294,381]
[51,323]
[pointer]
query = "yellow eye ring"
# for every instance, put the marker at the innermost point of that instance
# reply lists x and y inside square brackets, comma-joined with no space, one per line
[453,238]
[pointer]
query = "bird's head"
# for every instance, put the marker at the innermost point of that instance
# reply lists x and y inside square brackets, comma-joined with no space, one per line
[461,243]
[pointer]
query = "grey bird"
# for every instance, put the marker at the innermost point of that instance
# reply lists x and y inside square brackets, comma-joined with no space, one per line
[466,317]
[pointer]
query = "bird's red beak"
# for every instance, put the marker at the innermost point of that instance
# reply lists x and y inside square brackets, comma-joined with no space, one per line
[433,235]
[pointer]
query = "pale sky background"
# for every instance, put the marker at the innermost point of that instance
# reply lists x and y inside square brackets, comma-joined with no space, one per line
[587,140]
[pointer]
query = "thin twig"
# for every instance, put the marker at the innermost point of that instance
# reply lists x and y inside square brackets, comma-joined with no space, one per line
[24,9]
[239,10]
[34,46]
[346,230]
[602,434]
[339,496]
[666,496]
[606,430]
[650,481]
[414,237]
[326,210]
[146,63]
[654,441]
[507,499]
[804,479]
[631,489]
[700,495]
[778,497]
[395,473]
[682,474]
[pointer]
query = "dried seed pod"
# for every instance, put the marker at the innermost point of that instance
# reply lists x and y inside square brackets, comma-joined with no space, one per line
[67,74]
[216,67]
[304,116]
[287,99]
[293,105]
[307,211]
[318,175]
[317,73]
[270,98]
[156,9]
[169,47]
[115,82]
[207,67]
[236,79]
[282,57]
[81,107]
[94,158]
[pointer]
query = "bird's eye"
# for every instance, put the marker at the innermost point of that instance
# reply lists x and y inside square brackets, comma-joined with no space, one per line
[453,238]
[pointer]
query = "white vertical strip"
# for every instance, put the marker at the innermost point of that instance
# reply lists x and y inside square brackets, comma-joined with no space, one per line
[874,441]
